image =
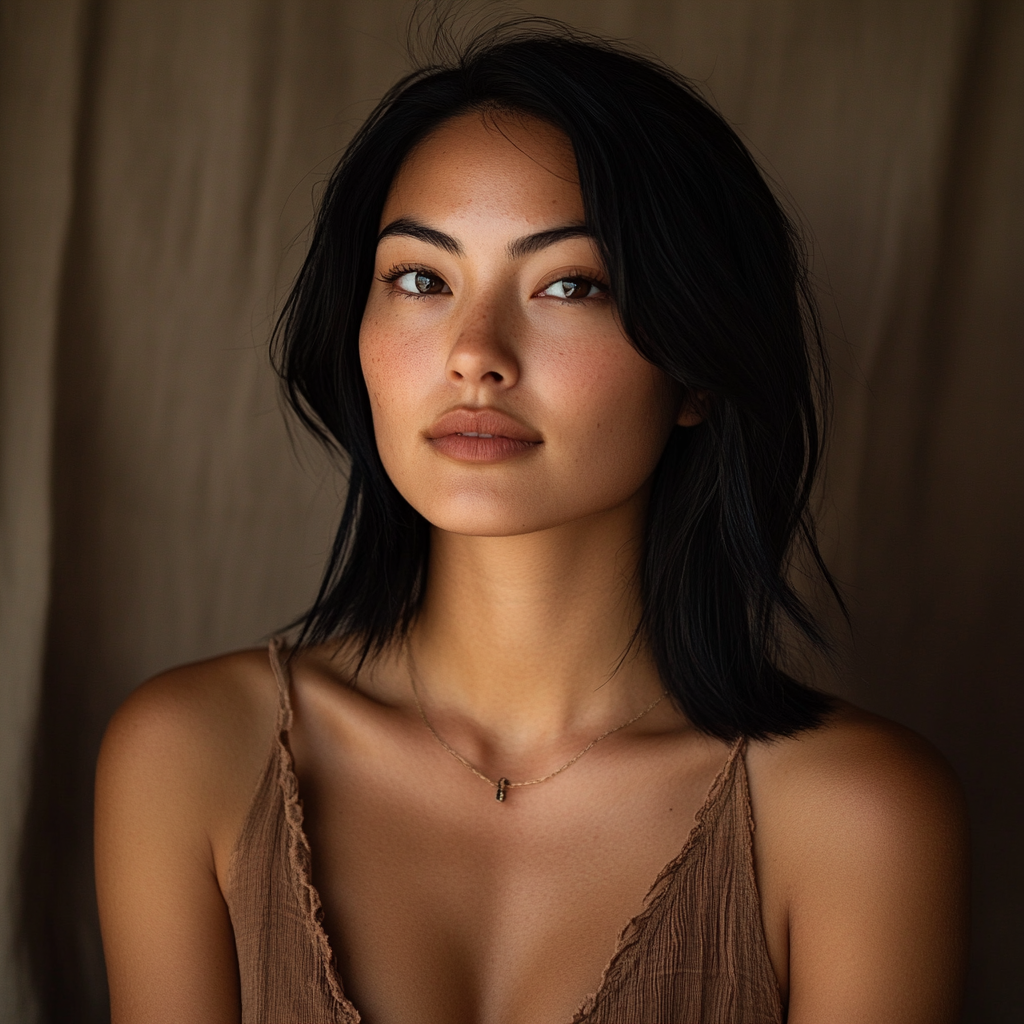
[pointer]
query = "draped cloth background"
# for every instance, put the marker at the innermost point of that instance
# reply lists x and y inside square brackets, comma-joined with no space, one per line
[158,164]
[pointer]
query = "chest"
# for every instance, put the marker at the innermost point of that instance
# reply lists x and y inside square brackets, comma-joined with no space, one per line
[442,904]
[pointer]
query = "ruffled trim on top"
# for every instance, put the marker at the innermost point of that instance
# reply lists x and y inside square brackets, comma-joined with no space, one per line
[633,932]
[300,862]
[300,858]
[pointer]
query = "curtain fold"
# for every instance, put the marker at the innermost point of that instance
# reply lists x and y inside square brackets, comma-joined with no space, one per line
[40,71]
[940,559]
[157,179]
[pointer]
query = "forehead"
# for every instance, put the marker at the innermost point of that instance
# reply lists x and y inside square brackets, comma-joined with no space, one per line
[488,164]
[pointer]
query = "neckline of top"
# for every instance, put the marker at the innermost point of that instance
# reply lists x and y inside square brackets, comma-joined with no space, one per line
[300,855]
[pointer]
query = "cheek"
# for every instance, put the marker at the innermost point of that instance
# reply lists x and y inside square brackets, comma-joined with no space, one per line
[395,369]
[617,410]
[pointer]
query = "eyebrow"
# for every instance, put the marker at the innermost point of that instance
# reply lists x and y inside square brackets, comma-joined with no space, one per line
[516,249]
[529,244]
[412,229]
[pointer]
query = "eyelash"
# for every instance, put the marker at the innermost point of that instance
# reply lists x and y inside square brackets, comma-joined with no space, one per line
[392,275]
[396,272]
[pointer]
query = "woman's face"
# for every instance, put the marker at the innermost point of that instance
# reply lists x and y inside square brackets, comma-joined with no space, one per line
[505,397]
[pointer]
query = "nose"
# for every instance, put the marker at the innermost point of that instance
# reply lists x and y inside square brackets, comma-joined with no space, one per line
[481,353]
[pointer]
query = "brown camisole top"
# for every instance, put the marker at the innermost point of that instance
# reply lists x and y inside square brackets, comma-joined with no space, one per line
[695,954]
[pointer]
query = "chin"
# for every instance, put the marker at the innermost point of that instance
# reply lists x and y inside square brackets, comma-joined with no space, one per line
[512,505]
[496,521]
[489,514]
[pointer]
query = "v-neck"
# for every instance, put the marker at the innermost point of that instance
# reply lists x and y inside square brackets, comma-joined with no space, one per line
[300,859]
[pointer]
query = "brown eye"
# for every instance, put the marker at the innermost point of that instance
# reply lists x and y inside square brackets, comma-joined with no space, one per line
[572,288]
[419,282]
[427,284]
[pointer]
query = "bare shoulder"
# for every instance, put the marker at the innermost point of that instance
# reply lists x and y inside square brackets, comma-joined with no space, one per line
[240,682]
[177,771]
[858,772]
[200,732]
[860,849]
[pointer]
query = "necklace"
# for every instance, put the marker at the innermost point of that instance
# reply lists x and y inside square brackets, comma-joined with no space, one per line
[502,785]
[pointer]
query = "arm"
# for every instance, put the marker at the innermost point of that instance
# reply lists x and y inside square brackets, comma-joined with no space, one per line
[864,851]
[177,766]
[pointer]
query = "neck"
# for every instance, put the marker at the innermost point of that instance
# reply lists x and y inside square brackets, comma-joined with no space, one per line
[524,636]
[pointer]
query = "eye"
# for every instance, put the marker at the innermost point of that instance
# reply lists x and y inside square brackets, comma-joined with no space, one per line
[573,288]
[421,282]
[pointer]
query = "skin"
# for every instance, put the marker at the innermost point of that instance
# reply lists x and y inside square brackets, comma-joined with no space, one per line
[443,905]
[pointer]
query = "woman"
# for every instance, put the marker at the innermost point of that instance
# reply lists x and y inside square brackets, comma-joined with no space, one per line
[558,322]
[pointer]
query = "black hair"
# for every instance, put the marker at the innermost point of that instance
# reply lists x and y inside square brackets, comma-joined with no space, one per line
[709,281]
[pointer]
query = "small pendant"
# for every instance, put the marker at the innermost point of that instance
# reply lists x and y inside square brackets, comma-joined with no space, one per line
[500,794]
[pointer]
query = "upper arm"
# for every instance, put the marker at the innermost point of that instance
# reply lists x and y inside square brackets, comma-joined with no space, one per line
[868,841]
[162,785]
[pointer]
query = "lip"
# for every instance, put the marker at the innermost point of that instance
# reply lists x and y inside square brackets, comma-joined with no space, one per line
[457,435]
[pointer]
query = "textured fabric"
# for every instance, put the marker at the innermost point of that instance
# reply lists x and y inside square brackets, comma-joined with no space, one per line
[695,954]
[287,970]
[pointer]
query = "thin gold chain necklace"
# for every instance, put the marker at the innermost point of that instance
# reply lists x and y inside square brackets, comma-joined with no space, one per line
[502,785]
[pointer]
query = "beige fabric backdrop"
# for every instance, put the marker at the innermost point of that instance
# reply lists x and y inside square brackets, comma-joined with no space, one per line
[158,164]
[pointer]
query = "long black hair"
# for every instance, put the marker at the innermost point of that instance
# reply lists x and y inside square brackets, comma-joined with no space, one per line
[709,280]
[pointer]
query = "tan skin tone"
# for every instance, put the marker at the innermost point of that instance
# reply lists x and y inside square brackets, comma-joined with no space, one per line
[443,905]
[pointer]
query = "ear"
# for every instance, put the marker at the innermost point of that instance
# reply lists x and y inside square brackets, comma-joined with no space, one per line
[694,408]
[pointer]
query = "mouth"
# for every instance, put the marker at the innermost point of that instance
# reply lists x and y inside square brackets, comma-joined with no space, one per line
[481,435]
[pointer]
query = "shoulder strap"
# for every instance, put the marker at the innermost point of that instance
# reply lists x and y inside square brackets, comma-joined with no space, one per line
[282,675]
